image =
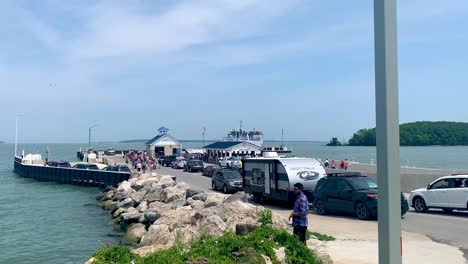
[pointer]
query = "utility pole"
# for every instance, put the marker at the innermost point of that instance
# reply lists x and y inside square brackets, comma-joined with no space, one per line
[89,135]
[387,131]
[16,133]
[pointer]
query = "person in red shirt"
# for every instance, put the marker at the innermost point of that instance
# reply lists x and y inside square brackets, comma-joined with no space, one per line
[342,165]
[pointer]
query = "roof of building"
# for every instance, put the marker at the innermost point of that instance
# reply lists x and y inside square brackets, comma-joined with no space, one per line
[227,144]
[161,129]
[158,137]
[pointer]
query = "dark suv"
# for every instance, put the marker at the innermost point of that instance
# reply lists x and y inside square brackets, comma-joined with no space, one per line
[60,164]
[350,193]
[194,165]
[167,160]
[118,168]
[227,180]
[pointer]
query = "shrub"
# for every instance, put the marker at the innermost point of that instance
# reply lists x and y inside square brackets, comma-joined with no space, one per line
[226,249]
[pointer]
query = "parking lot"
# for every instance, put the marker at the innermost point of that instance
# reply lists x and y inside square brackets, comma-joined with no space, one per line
[446,228]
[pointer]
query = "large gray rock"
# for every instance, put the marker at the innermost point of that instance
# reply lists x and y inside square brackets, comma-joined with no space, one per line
[179,218]
[126,203]
[239,196]
[109,205]
[171,194]
[131,216]
[190,192]
[200,197]
[118,212]
[138,196]
[244,228]
[166,181]
[157,235]
[134,234]
[195,204]
[214,199]
[106,195]
[213,225]
[151,216]
[154,194]
[124,186]
[121,195]
[142,207]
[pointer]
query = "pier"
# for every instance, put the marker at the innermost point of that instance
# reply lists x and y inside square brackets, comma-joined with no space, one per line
[90,178]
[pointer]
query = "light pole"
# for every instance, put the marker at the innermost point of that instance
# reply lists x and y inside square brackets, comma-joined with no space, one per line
[16,133]
[387,131]
[89,135]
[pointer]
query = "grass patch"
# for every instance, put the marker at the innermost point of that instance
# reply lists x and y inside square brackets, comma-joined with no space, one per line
[226,249]
[319,236]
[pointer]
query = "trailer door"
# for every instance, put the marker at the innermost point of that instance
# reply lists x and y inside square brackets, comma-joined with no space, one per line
[267,178]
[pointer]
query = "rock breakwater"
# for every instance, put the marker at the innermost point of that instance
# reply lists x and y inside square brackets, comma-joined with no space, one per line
[155,211]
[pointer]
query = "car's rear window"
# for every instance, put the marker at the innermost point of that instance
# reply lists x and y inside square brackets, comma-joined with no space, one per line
[93,167]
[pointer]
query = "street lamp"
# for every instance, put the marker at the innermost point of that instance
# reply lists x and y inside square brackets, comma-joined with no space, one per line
[89,135]
[387,131]
[16,133]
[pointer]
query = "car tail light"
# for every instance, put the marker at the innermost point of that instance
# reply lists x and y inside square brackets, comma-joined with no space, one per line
[372,195]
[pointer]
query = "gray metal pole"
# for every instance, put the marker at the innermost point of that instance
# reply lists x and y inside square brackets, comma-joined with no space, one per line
[89,138]
[16,136]
[387,123]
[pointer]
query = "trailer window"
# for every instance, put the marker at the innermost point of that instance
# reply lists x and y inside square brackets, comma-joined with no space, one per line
[258,177]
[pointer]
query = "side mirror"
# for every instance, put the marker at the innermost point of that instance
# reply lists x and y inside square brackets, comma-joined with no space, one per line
[428,186]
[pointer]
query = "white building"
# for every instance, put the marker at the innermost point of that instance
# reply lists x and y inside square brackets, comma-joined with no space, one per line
[163,144]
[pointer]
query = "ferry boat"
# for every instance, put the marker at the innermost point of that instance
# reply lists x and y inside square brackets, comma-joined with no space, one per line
[253,136]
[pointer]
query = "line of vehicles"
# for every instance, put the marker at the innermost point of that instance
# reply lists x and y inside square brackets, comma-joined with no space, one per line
[273,178]
[88,166]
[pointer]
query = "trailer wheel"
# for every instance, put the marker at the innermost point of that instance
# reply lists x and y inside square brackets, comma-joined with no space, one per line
[259,198]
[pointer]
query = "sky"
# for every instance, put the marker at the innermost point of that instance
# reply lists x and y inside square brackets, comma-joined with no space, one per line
[303,65]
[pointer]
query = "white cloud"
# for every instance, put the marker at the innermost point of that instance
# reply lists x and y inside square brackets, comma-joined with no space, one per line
[119,31]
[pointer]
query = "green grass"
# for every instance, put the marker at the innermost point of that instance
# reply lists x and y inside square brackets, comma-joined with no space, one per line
[226,249]
[319,236]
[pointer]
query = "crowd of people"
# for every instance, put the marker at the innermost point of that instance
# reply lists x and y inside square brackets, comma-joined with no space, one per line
[141,161]
[344,164]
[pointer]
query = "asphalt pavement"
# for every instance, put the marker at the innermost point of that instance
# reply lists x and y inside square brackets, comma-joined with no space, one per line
[446,228]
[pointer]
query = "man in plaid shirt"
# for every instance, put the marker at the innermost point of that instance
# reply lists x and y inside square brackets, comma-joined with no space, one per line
[300,213]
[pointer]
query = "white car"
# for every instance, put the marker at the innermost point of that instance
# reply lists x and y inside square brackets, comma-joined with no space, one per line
[447,193]
[230,162]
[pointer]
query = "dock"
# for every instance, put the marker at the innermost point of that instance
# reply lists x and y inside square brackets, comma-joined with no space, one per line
[89,178]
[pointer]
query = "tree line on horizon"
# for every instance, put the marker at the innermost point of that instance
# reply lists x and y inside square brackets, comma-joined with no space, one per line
[422,133]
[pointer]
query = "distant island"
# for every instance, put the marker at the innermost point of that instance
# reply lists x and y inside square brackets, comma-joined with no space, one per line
[1,142]
[422,133]
[134,141]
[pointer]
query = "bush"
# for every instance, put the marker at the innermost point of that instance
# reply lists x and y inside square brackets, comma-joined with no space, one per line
[227,249]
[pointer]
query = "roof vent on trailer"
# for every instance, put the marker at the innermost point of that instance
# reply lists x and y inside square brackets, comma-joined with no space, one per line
[270,154]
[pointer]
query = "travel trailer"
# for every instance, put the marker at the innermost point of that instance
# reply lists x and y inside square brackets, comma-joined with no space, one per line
[273,178]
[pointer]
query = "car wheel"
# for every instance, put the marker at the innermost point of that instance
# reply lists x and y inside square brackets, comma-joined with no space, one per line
[213,186]
[448,210]
[225,189]
[362,211]
[320,207]
[419,205]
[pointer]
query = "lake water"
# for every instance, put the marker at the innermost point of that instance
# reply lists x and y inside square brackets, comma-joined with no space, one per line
[49,223]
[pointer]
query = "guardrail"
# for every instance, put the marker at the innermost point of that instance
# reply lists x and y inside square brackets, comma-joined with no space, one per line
[70,175]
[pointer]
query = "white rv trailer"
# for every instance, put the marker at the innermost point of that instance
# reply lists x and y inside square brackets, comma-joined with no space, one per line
[274,177]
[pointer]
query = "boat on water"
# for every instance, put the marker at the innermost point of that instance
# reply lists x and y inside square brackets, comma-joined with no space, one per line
[238,135]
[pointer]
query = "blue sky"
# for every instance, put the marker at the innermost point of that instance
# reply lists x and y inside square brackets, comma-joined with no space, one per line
[302,65]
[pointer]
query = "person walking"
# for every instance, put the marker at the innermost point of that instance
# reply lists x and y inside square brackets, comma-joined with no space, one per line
[300,214]
[333,164]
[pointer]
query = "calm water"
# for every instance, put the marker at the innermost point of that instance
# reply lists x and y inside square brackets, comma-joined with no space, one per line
[50,223]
